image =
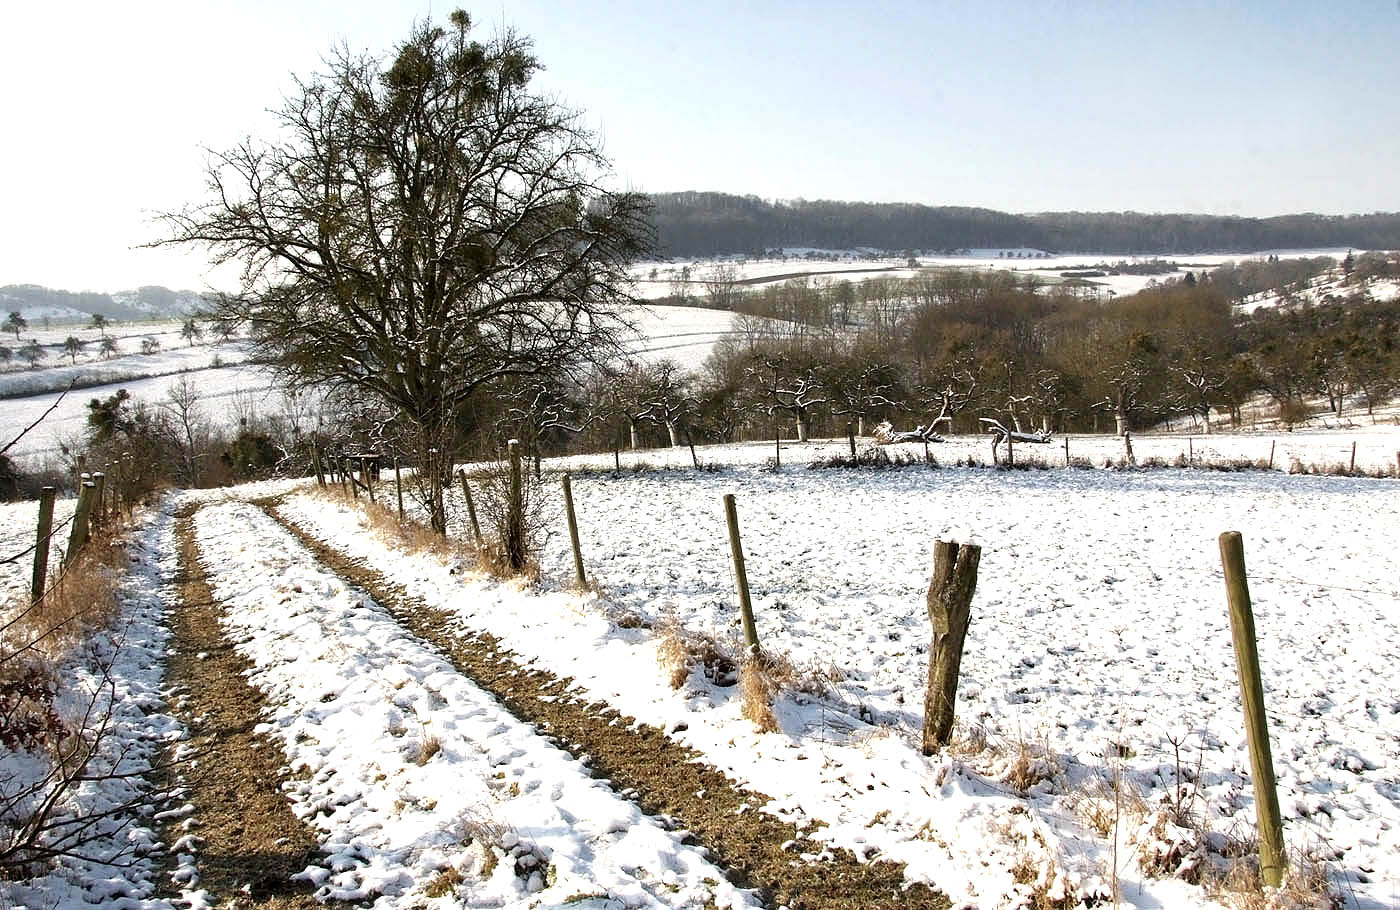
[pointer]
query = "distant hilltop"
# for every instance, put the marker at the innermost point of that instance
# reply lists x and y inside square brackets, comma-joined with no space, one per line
[711,224]
[150,302]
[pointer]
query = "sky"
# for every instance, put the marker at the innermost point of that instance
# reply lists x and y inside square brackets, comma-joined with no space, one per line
[1244,108]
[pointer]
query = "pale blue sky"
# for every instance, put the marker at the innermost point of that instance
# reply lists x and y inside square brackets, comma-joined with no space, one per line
[1250,108]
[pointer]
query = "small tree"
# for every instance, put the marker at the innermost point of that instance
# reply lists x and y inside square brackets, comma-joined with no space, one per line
[191,331]
[100,323]
[108,346]
[16,323]
[71,346]
[150,344]
[33,352]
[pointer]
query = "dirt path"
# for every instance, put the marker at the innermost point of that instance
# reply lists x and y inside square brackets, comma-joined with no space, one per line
[662,777]
[251,842]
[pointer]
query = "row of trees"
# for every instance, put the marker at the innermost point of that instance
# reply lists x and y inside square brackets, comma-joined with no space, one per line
[709,224]
[953,347]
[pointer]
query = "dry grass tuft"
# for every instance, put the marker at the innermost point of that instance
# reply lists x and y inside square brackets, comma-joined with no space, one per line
[408,534]
[757,692]
[1236,882]
[429,747]
[444,884]
[680,651]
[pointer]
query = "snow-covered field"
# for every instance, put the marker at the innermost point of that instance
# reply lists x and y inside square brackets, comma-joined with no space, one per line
[1098,690]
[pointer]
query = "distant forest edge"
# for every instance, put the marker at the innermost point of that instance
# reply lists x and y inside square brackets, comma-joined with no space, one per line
[711,224]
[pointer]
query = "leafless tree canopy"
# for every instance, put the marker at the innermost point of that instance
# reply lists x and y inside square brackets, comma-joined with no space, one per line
[423,226]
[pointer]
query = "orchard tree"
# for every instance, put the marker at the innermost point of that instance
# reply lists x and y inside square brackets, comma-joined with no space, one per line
[191,331]
[32,352]
[16,323]
[424,226]
[72,345]
[100,323]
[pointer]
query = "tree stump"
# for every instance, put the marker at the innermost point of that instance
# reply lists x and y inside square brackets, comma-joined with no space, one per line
[949,610]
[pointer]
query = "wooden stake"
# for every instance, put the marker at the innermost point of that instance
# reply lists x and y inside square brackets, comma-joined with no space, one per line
[515,511]
[1271,860]
[949,609]
[367,475]
[41,544]
[99,513]
[471,509]
[1352,469]
[741,578]
[1066,451]
[78,535]
[573,531]
[1190,451]
[398,486]
[1272,443]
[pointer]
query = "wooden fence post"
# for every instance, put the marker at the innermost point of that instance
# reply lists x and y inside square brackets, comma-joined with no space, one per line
[471,508]
[1190,450]
[1066,451]
[316,464]
[741,578]
[350,475]
[515,510]
[367,475]
[1272,443]
[573,530]
[1271,860]
[949,610]
[99,513]
[398,485]
[41,544]
[79,533]
[1352,469]
[78,473]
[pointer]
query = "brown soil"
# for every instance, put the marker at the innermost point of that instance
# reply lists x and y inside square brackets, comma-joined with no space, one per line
[661,776]
[252,843]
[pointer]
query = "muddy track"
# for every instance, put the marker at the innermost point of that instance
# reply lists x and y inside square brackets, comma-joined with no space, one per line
[252,843]
[661,776]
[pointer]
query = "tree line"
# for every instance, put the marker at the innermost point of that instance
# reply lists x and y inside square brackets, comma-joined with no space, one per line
[709,224]
[946,347]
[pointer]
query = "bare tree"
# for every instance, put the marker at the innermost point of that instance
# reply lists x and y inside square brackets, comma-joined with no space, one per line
[426,227]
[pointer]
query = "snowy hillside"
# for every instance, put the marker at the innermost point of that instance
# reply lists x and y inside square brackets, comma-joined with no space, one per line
[446,738]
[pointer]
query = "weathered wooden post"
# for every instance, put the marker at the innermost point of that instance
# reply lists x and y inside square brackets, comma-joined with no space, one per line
[741,578]
[1066,451]
[949,610]
[316,465]
[99,513]
[1190,450]
[573,531]
[398,485]
[1352,468]
[78,473]
[367,475]
[79,533]
[1272,443]
[350,474]
[471,508]
[41,544]
[515,510]
[1271,860]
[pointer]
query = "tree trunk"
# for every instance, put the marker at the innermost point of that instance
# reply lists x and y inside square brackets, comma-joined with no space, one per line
[671,432]
[949,608]
[632,427]
[860,425]
[1120,423]
[802,426]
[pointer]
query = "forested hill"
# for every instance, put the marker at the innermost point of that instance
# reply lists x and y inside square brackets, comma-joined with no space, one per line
[703,224]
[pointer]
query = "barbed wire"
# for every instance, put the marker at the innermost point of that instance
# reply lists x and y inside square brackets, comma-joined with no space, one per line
[34,546]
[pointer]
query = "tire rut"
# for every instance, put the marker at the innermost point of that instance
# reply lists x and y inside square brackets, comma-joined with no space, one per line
[661,776]
[252,841]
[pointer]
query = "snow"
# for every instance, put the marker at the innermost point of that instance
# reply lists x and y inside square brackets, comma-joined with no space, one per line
[354,701]
[116,674]
[1099,638]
